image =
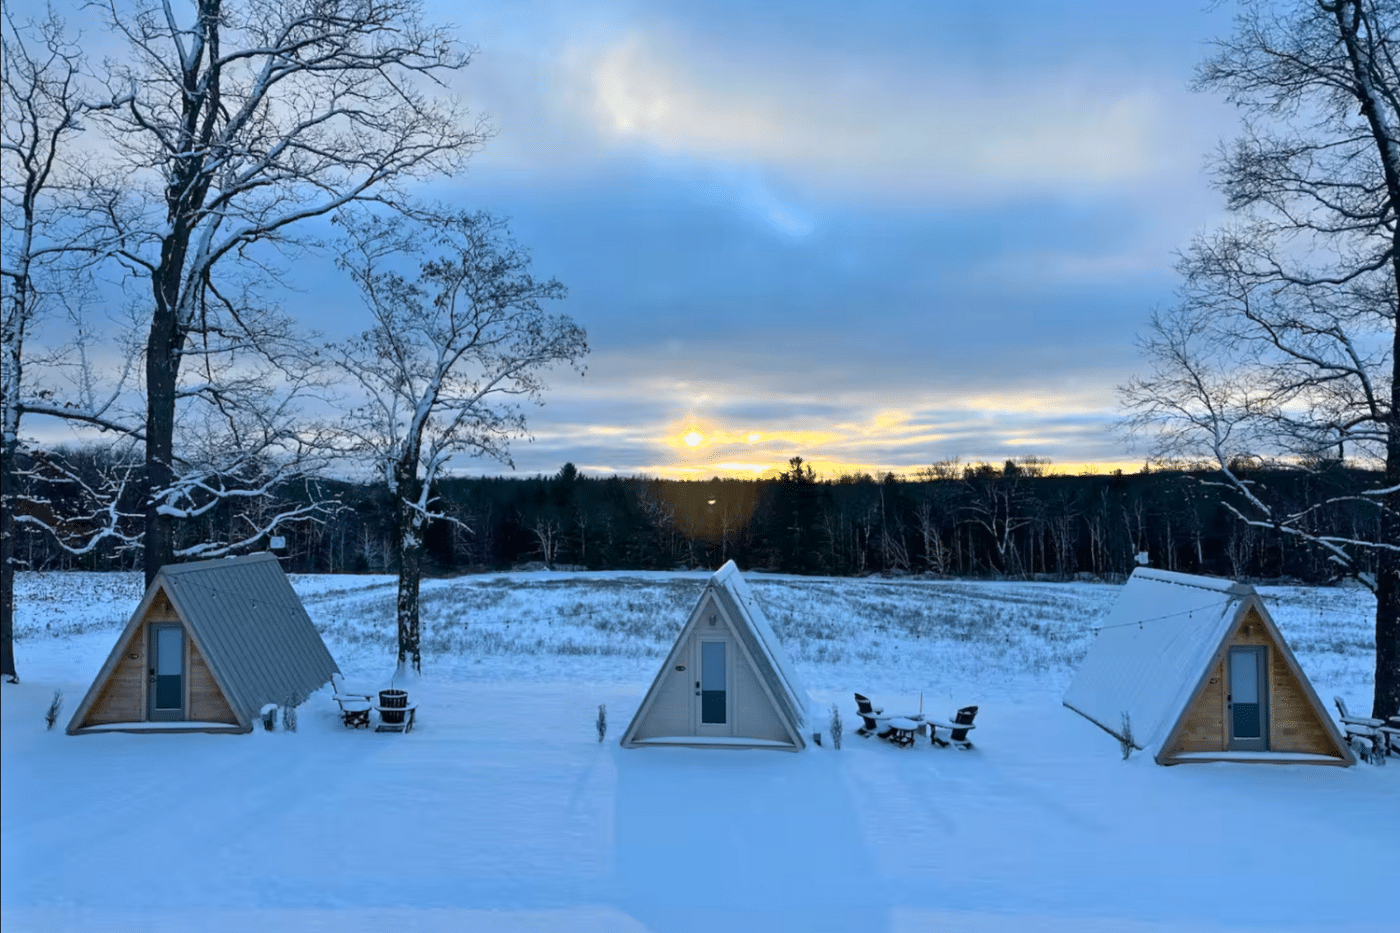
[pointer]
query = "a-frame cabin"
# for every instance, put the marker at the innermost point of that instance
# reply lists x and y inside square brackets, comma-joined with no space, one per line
[1203,674]
[726,682]
[211,643]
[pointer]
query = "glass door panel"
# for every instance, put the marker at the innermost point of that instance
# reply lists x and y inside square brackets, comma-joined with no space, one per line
[713,677]
[1248,707]
[167,672]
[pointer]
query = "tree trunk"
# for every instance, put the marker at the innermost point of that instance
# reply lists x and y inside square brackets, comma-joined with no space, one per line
[1386,701]
[1387,695]
[8,484]
[410,573]
[411,526]
[162,371]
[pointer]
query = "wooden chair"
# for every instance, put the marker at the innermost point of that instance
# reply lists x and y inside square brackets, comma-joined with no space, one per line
[399,718]
[354,707]
[867,714]
[959,727]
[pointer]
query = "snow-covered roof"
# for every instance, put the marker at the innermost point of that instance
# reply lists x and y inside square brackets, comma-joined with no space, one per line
[782,680]
[1152,650]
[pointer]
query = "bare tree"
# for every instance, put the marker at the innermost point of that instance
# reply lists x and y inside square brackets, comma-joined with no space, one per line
[1283,347]
[43,251]
[934,508]
[1000,504]
[548,536]
[236,123]
[446,356]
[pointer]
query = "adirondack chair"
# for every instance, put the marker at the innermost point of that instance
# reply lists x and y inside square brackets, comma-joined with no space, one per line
[958,728]
[867,714]
[354,707]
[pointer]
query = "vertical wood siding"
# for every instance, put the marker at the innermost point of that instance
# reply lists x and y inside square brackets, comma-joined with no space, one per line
[1294,725]
[1204,730]
[207,703]
[123,697]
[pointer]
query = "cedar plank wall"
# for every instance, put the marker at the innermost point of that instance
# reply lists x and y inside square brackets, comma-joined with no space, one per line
[207,703]
[1205,720]
[1293,725]
[123,699]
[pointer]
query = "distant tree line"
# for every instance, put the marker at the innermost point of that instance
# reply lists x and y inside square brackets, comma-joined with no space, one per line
[1014,521]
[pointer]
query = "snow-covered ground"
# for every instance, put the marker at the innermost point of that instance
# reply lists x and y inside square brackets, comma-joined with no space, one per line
[501,811]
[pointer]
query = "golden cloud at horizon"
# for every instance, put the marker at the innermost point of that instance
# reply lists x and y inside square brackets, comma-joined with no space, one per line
[702,447]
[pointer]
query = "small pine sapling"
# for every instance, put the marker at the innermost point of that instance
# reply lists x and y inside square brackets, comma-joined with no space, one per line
[602,721]
[55,706]
[836,727]
[1125,738]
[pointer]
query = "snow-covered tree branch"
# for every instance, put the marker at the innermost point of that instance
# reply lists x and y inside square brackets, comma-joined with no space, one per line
[46,253]
[235,122]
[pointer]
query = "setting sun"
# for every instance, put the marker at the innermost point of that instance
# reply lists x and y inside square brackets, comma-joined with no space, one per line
[693,439]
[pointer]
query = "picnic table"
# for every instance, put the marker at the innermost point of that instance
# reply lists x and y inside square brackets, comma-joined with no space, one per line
[1377,738]
[902,730]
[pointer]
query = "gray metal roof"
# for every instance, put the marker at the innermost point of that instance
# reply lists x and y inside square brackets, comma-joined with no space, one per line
[251,628]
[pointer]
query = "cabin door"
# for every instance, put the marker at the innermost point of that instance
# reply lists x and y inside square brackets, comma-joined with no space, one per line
[1248,700]
[714,707]
[165,687]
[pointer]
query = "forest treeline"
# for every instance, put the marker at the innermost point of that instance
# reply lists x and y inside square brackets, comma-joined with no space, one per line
[1016,520]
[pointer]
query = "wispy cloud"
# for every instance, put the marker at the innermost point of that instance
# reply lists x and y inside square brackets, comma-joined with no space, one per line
[933,132]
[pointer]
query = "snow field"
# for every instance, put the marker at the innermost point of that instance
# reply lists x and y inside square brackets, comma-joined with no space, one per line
[501,811]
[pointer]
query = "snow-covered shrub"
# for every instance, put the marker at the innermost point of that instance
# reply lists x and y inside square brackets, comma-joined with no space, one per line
[289,717]
[1125,738]
[836,727]
[55,705]
[602,721]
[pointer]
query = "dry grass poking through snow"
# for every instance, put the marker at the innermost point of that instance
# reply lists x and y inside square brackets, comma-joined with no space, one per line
[967,630]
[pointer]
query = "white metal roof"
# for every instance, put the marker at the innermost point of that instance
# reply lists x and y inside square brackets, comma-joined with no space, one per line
[1152,650]
[781,677]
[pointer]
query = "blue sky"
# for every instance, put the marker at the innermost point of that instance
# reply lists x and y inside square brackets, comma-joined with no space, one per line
[873,235]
